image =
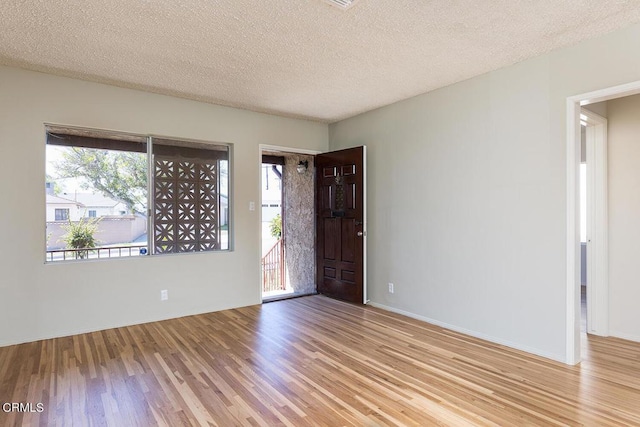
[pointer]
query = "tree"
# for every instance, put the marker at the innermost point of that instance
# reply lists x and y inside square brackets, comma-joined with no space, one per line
[80,235]
[121,175]
[276,226]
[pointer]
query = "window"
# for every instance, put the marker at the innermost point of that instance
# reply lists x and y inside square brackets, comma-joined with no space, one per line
[178,188]
[62,214]
[190,183]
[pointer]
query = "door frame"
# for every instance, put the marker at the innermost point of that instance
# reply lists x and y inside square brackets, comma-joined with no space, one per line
[365,225]
[284,150]
[573,152]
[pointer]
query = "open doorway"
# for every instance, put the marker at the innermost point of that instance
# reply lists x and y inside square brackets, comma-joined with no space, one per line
[593,185]
[287,214]
[272,262]
[583,226]
[601,309]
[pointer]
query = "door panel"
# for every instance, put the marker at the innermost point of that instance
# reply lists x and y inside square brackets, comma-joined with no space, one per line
[340,224]
[329,242]
[349,243]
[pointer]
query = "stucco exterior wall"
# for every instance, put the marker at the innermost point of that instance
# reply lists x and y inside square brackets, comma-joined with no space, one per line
[299,224]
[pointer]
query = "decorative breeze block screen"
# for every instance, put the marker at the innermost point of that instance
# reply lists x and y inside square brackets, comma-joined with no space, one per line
[186,203]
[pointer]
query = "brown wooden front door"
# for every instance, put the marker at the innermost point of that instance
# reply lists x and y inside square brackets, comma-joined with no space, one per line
[340,228]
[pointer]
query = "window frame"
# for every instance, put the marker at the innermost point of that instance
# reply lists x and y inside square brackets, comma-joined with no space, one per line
[65,211]
[119,136]
[175,146]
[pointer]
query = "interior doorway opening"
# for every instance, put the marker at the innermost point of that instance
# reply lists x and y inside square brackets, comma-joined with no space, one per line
[583,226]
[287,224]
[593,185]
[597,245]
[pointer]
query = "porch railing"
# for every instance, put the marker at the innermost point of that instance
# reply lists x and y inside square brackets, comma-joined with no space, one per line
[273,268]
[96,253]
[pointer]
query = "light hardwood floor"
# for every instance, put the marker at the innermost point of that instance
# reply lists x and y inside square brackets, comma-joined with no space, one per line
[311,361]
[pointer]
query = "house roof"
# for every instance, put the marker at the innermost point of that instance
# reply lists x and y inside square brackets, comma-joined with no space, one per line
[298,58]
[92,200]
[51,199]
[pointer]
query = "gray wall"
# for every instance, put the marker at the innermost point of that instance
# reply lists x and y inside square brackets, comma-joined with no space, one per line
[467,194]
[40,301]
[600,108]
[624,216]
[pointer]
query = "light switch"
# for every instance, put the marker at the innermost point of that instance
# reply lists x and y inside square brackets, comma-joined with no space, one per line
[252,206]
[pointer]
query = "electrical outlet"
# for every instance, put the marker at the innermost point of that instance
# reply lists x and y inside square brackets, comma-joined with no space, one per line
[164,295]
[390,287]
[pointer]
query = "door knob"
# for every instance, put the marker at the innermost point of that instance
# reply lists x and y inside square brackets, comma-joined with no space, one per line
[360,234]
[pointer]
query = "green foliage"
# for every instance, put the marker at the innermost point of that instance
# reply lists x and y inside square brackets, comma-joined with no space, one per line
[276,226]
[80,235]
[120,175]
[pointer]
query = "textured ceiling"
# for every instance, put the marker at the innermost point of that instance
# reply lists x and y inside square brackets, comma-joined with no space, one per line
[298,58]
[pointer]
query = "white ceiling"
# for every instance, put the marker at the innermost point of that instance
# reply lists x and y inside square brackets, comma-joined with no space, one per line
[298,58]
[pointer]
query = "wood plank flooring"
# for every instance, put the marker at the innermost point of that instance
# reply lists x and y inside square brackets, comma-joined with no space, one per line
[311,361]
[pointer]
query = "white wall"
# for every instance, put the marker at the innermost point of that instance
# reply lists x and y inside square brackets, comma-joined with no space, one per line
[116,209]
[624,216]
[75,211]
[38,300]
[466,191]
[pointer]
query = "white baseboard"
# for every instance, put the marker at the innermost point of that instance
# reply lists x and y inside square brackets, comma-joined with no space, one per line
[98,328]
[624,336]
[475,334]
[79,331]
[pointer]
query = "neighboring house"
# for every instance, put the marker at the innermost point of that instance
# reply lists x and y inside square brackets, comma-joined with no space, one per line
[116,227]
[271,192]
[63,209]
[270,209]
[65,206]
[224,210]
[97,205]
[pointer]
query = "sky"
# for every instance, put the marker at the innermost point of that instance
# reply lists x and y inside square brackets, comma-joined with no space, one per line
[67,185]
